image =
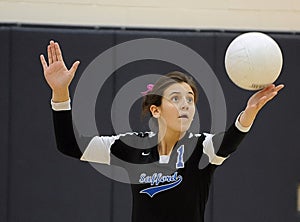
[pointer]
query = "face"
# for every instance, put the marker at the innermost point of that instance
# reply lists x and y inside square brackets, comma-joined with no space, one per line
[177,109]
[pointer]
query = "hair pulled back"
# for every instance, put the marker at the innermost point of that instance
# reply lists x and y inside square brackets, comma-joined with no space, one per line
[154,97]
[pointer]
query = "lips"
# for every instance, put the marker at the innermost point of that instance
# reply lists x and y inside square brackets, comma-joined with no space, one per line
[184,116]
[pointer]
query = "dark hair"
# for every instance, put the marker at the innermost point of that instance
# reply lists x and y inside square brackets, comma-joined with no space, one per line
[155,96]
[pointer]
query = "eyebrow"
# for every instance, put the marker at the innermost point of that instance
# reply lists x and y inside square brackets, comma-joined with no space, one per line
[172,93]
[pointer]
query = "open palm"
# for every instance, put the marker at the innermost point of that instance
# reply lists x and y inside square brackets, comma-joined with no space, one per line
[260,98]
[56,73]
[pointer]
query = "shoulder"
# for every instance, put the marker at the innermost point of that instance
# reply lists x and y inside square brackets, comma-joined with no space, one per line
[130,147]
[135,139]
[198,136]
[134,135]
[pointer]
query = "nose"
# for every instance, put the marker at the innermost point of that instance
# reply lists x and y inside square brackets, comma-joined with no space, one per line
[184,105]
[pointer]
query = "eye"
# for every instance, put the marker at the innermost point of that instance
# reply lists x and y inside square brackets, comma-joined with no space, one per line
[175,99]
[190,99]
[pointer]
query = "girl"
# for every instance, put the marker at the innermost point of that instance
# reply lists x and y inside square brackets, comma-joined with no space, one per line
[167,181]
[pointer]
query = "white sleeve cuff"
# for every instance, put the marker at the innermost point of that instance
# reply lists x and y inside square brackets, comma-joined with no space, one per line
[239,125]
[209,150]
[61,106]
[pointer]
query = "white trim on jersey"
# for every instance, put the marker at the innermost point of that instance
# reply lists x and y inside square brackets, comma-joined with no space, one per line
[61,105]
[98,150]
[209,150]
[164,159]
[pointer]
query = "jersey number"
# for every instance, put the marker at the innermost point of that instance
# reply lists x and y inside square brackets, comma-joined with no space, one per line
[180,163]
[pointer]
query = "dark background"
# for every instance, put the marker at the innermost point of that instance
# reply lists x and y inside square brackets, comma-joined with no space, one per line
[258,182]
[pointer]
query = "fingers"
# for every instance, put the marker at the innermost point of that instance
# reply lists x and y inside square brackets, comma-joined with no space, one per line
[49,51]
[279,87]
[270,96]
[273,88]
[267,89]
[74,67]
[58,52]
[273,91]
[264,91]
[43,62]
[270,89]
[54,52]
[262,97]
[262,101]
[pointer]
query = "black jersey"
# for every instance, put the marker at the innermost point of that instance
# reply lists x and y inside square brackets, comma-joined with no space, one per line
[164,188]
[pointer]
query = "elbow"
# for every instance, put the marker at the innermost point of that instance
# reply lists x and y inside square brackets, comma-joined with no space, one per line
[69,150]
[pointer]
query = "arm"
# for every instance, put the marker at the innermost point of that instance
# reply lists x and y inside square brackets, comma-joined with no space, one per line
[227,142]
[235,134]
[64,134]
[256,102]
[219,146]
[96,149]
[59,78]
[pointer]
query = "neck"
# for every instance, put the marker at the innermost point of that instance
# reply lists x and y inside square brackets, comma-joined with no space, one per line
[167,140]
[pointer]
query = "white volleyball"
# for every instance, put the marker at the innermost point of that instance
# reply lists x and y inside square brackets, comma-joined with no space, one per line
[253,60]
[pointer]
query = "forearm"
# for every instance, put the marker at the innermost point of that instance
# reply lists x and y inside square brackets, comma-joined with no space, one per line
[227,142]
[64,133]
[96,149]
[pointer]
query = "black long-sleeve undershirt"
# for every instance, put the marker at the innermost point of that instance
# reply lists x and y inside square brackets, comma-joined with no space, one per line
[64,133]
[67,143]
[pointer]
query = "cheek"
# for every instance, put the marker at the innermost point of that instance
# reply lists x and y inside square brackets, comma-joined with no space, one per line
[193,109]
[171,110]
[168,107]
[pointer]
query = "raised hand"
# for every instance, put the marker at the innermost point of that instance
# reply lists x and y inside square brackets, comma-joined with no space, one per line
[57,75]
[257,101]
[260,98]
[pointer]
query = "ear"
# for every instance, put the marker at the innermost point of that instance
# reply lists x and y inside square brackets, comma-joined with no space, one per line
[155,111]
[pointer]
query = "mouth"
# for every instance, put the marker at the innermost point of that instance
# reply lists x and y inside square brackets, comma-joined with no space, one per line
[183,117]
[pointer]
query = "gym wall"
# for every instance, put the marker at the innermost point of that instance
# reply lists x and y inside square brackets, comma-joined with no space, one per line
[258,183]
[271,15]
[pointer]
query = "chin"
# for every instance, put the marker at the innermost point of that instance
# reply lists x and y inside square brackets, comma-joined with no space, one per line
[185,128]
[181,127]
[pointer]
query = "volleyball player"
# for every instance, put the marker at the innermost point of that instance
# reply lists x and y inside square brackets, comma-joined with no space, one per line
[163,167]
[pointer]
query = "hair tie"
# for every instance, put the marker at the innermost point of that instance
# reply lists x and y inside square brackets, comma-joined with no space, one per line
[149,89]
